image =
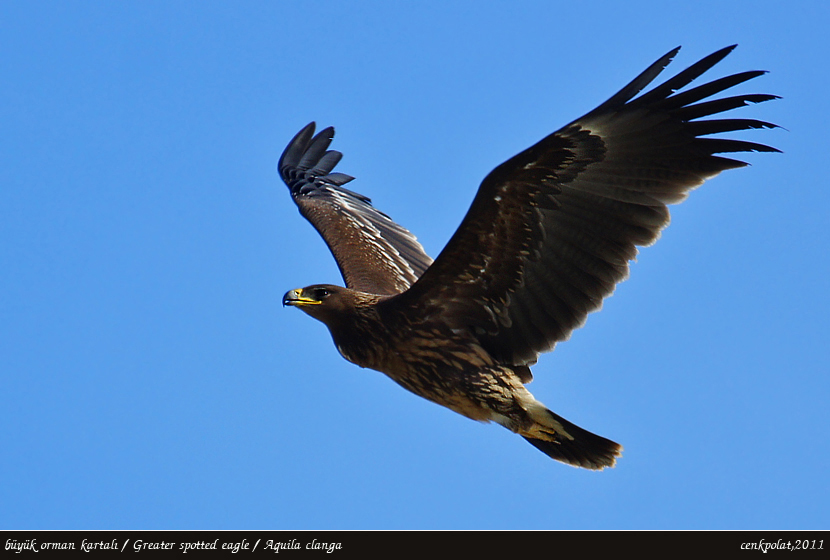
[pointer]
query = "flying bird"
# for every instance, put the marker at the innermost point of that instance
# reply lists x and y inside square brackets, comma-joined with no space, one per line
[548,235]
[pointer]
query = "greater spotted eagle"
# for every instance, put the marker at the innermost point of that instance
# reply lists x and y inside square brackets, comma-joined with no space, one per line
[549,234]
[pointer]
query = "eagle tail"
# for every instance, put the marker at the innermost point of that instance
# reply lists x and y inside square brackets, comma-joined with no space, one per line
[581,449]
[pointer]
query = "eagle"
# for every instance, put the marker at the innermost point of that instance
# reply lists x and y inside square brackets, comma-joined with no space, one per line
[549,234]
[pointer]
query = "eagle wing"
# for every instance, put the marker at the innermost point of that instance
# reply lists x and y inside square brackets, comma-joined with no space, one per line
[375,254]
[551,231]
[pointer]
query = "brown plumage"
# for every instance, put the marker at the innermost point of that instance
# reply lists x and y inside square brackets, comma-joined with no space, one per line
[548,236]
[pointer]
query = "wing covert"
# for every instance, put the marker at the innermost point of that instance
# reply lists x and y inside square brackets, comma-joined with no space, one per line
[374,254]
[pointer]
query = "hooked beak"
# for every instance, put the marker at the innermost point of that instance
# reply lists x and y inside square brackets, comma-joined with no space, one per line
[296,298]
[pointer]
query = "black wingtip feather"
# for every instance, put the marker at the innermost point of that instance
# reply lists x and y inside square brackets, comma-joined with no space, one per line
[307,161]
[296,148]
[706,90]
[316,149]
[707,108]
[717,126]
[639,83]
[683,78]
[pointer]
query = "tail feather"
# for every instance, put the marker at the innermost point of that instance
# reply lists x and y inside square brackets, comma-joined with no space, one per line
[585,450]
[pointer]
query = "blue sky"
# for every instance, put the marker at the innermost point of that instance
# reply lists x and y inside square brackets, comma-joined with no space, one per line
[151,378]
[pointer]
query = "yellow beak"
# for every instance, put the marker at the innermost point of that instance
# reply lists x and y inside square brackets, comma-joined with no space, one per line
[296,298]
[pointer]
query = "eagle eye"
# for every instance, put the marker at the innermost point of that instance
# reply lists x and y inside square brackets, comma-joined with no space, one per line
[320,293]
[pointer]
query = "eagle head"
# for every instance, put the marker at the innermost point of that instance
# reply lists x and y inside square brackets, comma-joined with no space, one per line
[325,302]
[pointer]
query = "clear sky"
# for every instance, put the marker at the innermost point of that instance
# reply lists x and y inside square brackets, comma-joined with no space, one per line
[151,378]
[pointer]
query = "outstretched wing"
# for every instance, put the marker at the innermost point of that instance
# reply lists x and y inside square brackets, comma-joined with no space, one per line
[374,254]
[551,231]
